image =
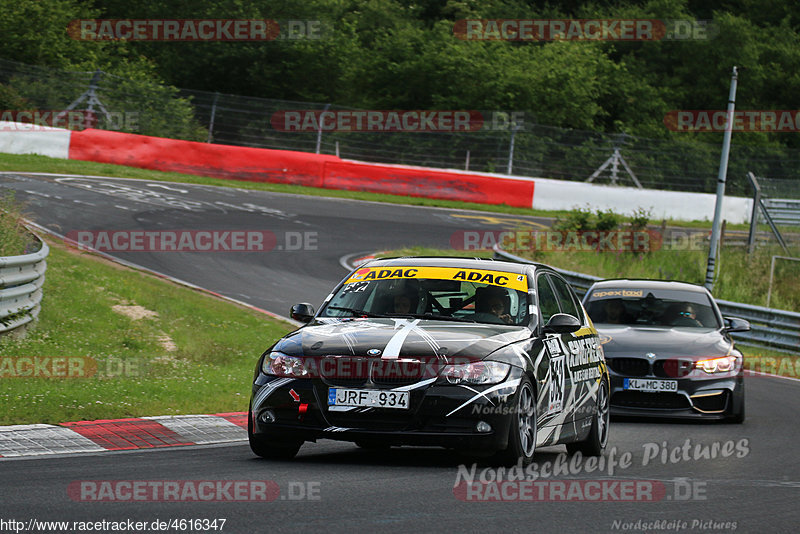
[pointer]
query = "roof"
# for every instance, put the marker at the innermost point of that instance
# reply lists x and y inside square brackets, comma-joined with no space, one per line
[457,262]
[624,283]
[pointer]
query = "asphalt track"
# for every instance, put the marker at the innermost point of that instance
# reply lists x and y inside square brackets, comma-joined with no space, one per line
[743,477]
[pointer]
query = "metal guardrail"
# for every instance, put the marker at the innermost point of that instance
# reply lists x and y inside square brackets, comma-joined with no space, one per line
[784,211]
[21,281]
[769,327]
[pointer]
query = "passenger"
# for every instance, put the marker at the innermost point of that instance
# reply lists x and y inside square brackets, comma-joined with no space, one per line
[615,312]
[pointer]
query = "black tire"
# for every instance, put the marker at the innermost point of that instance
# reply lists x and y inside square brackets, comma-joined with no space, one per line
[596,441]
[271,449]
[522,431]
[737,417]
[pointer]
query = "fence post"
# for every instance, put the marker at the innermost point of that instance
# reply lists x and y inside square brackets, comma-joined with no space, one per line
[319,131]
[511,148]
[751,238]
[213,114]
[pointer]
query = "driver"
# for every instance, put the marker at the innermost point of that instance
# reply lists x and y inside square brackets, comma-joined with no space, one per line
[491,300]
[402,304]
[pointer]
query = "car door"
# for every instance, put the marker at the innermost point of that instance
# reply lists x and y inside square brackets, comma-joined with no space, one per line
[583,365]
[552,396]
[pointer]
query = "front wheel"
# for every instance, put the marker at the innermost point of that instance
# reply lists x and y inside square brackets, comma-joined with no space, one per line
[596,441]
[271,449]
[522,431]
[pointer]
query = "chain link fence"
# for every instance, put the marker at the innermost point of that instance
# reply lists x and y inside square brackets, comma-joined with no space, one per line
[523,148]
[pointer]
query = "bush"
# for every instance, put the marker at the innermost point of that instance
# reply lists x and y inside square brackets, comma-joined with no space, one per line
[579,219]
[582,219]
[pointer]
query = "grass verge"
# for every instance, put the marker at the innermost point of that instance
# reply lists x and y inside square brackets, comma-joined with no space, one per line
[187,353]
[14,238]
[740,278]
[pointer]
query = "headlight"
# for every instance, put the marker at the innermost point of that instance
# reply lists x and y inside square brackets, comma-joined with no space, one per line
[279,364]
[481,373]
[717,365]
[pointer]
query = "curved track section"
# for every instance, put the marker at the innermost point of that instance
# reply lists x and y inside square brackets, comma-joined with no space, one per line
[654,477]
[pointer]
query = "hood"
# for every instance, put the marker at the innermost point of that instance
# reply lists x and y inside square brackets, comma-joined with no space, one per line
[400,337]
[665,342]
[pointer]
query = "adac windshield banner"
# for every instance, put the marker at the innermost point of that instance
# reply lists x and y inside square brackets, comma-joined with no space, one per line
[480,276]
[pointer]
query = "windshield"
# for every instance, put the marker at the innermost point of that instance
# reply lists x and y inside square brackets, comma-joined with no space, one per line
[442,293]
[655,307]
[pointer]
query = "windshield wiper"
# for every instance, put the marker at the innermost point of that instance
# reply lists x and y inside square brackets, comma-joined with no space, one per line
[356,311]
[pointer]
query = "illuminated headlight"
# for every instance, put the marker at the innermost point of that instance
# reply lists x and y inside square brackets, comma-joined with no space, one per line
[480,373]
[717,365]
[279,364]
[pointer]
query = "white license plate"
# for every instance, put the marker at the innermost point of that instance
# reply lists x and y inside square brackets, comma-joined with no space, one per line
[368,398]
[646,384]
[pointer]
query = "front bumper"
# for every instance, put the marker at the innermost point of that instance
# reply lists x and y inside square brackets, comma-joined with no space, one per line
[699,398]
[439,414]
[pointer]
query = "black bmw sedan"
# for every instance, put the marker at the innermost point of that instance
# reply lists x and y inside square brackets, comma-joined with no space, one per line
[481,356]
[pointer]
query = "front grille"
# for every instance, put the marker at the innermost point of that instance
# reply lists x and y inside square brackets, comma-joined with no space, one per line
[358,371]
[397,372]
[629,366]
[344,371]
[653,401]
[673,368]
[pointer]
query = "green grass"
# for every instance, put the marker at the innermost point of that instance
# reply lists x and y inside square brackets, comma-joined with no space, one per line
[740,279]
[32,163]
[210,370]
[13,237]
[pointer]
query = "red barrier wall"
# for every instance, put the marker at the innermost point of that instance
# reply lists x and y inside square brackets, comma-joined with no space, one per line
[300,168]
[428,183]
[204,159]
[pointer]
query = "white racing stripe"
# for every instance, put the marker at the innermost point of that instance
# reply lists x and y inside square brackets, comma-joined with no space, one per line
[392,349]
[267,390]
[511,384]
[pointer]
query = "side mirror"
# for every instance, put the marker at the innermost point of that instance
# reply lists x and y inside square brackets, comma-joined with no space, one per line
[302,312]
[734,324]
[562,323]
